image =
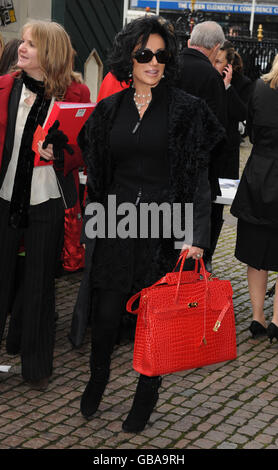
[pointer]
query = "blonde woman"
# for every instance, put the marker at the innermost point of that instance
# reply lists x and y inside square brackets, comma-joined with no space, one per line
[33,199]
[256,202]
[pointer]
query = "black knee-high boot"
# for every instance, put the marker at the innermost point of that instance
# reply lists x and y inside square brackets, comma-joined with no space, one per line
[100,371]
[94,390]
[144,401]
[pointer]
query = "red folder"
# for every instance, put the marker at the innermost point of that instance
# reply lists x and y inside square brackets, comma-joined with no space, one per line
[72,117]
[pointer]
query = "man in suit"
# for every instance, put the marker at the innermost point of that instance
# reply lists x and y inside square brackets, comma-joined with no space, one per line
[199,78]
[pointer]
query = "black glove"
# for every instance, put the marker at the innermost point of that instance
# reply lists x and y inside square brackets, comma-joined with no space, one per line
[59,140]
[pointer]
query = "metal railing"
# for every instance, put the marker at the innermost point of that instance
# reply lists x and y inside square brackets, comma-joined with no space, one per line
[257,55]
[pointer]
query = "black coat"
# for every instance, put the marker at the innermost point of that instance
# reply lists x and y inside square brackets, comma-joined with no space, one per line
[199,78]
[193,131]
[256,200]
[238,95]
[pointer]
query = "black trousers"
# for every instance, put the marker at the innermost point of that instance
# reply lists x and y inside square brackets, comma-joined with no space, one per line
[108,308]
[34,330]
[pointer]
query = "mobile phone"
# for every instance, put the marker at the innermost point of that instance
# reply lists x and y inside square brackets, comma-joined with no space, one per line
[224,71]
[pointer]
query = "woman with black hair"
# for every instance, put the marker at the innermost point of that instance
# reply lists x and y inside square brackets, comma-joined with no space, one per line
[149,143]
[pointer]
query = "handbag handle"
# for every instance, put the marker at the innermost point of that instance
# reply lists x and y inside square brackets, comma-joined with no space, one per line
[179,258]
[136,296]
[130,303]
[182,258]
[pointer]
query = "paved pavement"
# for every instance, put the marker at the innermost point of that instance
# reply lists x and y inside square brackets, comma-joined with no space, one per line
[231,405]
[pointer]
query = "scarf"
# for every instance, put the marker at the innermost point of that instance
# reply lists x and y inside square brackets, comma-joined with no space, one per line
[20,201]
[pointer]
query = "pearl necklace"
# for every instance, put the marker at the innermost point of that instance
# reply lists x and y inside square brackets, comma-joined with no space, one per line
[146,102]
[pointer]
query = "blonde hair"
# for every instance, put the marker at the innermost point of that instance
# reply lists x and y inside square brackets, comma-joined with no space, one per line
[272,76]
[55,56]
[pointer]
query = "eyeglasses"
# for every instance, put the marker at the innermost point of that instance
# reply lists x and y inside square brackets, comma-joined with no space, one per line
[146,55]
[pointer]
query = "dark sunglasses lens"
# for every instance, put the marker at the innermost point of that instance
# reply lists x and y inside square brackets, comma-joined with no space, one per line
[144,56]
[162,57]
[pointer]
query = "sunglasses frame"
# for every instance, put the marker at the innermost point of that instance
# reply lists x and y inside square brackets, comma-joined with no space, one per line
[153,54]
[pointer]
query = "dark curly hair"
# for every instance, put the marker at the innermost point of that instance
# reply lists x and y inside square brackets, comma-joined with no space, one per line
[136,33]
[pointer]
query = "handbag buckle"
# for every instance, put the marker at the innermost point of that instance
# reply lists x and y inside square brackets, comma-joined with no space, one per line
[192,304]
[217,326]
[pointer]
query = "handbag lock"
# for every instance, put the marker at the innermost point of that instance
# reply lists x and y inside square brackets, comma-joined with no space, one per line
[192,304]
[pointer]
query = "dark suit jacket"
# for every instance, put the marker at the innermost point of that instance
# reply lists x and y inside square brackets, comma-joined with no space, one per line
[199,78]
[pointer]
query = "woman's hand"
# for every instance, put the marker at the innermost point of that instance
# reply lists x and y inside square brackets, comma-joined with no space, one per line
[193,251]
[228,71]
[47,153]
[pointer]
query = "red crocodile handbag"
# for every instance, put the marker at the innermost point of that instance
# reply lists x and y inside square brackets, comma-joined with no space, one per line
[185,320]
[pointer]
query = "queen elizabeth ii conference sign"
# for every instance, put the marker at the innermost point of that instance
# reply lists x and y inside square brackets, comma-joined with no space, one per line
[208,6]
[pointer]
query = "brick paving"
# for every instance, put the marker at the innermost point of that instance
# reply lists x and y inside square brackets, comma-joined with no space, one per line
[232,405]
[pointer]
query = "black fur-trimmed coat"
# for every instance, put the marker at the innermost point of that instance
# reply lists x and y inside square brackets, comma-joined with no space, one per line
[193,132]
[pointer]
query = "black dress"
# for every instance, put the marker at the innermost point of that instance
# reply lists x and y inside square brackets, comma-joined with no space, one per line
[140,175]
[256,201]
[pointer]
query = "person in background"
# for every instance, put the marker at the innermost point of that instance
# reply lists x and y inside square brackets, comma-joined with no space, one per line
[149,143]
[238,91]
[8,60]
[197,74]
[199,77]
[256,201]
[33,198]
[9,56]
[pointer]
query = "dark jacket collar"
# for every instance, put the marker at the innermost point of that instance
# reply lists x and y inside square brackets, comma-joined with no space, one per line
[196,53]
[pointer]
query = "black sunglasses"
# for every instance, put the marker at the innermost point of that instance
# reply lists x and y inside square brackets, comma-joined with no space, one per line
[146,55]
